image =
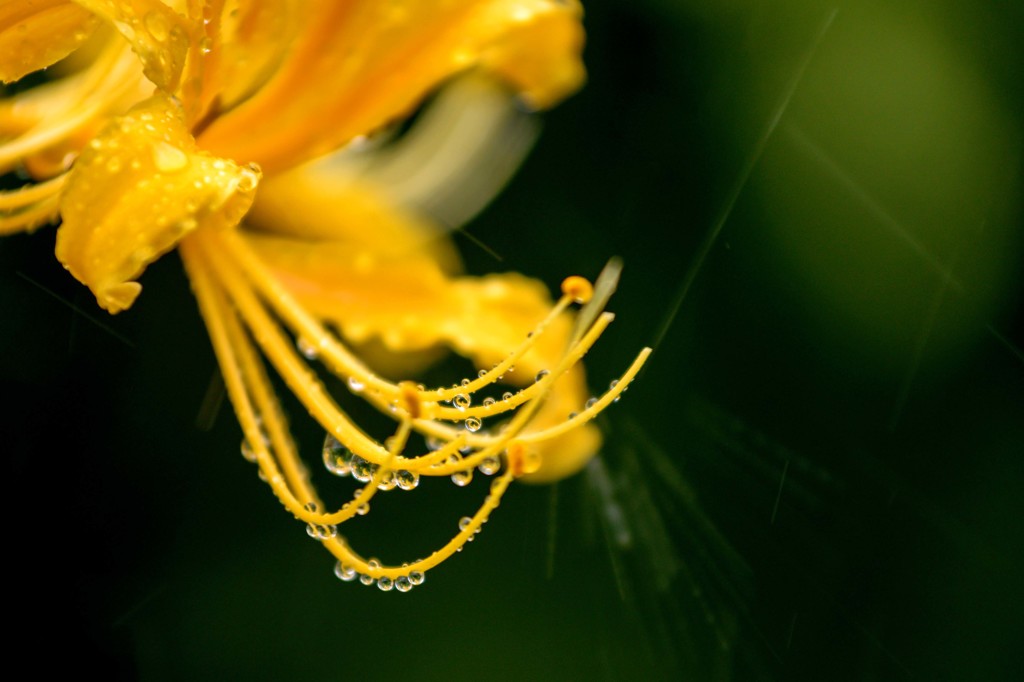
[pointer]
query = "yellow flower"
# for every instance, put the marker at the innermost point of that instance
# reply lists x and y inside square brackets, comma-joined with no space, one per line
[234,131]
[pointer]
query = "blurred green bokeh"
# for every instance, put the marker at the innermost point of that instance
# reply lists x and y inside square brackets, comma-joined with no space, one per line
[818,476]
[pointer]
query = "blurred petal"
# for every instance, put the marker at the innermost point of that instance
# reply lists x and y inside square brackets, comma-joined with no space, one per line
[135,191]
[44,127]
[34,35]
[319,203]
[381,59]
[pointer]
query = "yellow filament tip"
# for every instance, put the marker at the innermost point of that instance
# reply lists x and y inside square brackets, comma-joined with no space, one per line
[579,289]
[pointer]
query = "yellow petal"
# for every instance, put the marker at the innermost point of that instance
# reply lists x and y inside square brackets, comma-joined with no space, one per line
[357,66]
[320,205]
[135,191]
[246,43]
[34,35]
[409,305]
[160,36]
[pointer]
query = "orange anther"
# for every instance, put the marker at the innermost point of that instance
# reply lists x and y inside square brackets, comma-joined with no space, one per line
[520,460]
[410,399]
[578,288]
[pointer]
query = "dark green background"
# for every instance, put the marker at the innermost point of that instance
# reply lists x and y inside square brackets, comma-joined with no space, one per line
[818,476]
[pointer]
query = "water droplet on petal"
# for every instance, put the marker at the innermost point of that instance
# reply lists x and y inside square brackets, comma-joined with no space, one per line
[417,577]
[403,583]
[157,26]
[385,584]
[541,374]
[355,385]
[473,424]
[168,158]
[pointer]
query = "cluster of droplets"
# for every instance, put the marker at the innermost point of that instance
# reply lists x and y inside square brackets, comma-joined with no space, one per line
[341,461]
[461,454]
[319,531]
[402,583]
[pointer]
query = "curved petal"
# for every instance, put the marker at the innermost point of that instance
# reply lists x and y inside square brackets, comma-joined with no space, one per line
[357,66]
[160,36]
[135,191]
[409,305]
[321,205]
[34,35]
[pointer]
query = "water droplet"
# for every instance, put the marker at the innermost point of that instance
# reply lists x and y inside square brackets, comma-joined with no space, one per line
[306,347]
[362,470]
[434,443]
[488,401]
[385,584]
[157,26]
[462,478]
[612,385]
[473,424]
[310,507]
[541,374]
[506,396]
[168,158]
[464,522]
[319,531]
[345,573]
[417,577]
[363,509]
[461,401]
[365,579]
[590,403]
[249,178]
[387,481]
[247,451]
[337,458]
[407,480]
[465,382]
[482,373]
[489,465]
[355,385]
[403,583]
